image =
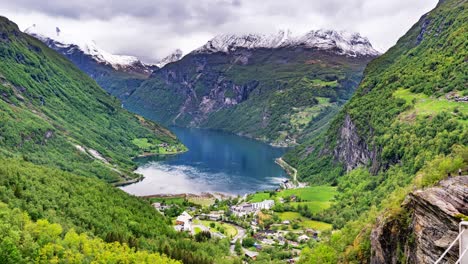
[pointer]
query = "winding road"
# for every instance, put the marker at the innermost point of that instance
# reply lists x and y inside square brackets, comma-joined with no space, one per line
[240,235]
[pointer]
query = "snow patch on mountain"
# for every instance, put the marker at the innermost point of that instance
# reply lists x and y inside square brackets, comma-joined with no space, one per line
[89,47]
[173,57]
[342,42]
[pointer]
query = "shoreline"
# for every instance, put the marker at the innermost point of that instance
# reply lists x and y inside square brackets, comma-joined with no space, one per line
[215,195]
[291,171]
[142,177]
[287,168]
[150,154]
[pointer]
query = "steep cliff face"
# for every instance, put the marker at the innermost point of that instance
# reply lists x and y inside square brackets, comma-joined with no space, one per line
[352,151]
[427,227]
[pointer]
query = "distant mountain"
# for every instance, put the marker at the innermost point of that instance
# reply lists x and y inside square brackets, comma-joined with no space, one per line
[275,88]
[117,74]
[69,45]
[342,42]
[173,57]
[278,88]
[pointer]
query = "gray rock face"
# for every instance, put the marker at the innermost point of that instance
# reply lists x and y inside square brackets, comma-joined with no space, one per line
[351,149]
[426,229]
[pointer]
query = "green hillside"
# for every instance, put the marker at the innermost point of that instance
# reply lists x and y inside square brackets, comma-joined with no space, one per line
[52,113]
[408,117]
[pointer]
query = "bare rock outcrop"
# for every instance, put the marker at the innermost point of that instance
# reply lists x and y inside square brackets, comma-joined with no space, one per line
[427,227]
[352,150]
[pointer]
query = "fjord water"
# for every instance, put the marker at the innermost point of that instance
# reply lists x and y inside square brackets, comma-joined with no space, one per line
[216,162]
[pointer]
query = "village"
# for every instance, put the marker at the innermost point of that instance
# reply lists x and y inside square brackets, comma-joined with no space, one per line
[270,222]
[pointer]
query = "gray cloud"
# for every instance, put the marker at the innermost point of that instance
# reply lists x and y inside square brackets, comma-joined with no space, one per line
[151,29]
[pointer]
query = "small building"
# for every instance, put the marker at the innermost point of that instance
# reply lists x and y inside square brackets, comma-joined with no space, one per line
[211,216]
[184,218]
[251,254]
[184,222]
[286,222]
[242,209]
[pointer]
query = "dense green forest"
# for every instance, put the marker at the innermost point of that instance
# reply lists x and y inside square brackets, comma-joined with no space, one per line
[26,241]
[91,206]
[408,122]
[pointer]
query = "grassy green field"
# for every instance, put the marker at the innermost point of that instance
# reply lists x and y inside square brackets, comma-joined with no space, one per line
[311,193]
[317,198]
[197,230]
[229,230]
[314,206]
[304,222]
[258,197]
[423,105]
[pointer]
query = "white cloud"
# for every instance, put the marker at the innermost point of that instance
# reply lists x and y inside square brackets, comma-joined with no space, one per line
[151,29]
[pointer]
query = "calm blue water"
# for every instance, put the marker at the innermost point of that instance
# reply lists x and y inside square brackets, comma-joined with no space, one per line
[216,162]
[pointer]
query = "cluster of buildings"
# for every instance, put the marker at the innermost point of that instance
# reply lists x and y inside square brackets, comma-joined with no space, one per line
[248,208]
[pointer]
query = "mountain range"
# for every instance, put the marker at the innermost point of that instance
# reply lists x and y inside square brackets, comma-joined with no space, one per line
[115,73]
[253,84]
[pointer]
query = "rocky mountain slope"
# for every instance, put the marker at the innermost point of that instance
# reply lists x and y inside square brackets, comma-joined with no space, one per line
[342,42]
[173,57]
[275,88]
[117,74]
[68,44]
[428,226]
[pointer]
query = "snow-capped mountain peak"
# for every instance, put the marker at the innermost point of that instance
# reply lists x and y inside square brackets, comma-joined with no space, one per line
[347,43]
[342,42]
[173,57]
[63,40]
[230,42]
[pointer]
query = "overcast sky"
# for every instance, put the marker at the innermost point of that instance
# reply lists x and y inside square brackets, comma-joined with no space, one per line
[151,29]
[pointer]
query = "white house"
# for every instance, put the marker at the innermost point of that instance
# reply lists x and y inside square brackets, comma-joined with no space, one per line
[184,222]
[266,204]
